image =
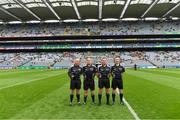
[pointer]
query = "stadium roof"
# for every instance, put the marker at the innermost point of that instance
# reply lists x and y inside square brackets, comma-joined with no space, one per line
[86,10]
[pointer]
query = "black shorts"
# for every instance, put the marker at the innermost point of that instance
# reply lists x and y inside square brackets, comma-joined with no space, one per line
[89,84]
[117,84]
[75,84]
[103,83]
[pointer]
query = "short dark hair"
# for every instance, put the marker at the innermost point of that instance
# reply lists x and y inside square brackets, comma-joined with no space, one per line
[117,57]
[88,57]
[104,58]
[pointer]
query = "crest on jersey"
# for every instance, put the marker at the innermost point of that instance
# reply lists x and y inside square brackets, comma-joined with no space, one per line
[91,69]
[115,69]
[120,69]
[107,69]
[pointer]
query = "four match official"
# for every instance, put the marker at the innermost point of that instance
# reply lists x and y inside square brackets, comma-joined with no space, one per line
[103,73]
[74,73]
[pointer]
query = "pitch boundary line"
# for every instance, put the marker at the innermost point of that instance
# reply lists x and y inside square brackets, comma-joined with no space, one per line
[132,111]
[21,83]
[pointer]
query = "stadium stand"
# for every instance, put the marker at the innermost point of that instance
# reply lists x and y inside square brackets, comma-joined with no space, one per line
[105,28]
[64,60]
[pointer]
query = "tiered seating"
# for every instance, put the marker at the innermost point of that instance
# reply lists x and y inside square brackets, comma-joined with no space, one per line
[65,60]
[105,28]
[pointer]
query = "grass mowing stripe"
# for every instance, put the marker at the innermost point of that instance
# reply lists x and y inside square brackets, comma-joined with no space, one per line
[22,73]
[5,73]
[30,77]
[43,107]
[161,79]
[14,99]
[166,73]
[49,99]
[161,70]
[55,105]
[90,111]
[25,75]
[21,83]
[172,69]
[151,100]
[164,69]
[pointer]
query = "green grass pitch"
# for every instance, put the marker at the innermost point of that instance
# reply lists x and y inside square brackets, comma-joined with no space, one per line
[44,94]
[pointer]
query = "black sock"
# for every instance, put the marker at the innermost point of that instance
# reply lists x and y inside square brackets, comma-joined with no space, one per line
[93,98]
[107,98]
[71,97]
[85,99]
[121,96]
[78,97]
[113,97]
[99,97]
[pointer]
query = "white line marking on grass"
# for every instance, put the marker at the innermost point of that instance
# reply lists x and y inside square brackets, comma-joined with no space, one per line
[21,83]
[132,111]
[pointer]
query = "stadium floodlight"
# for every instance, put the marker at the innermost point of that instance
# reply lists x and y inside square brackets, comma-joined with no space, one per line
[125,8]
